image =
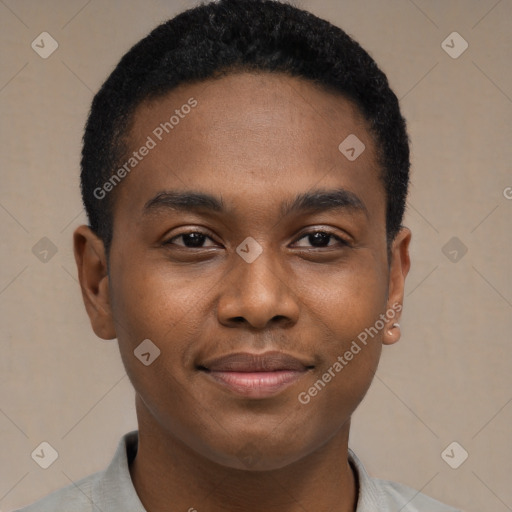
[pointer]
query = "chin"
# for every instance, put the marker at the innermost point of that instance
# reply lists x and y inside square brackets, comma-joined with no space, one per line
[258,454]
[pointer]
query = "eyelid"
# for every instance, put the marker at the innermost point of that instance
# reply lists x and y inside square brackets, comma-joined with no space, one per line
[326,231]
[312,230]
[199,231]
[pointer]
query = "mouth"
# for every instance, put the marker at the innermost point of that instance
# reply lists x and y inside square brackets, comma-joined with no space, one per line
[255,375]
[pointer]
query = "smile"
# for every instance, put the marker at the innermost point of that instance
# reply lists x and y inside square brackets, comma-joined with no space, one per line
[255,375]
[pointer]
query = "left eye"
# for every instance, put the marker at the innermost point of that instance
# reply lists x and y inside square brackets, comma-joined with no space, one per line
[321,238]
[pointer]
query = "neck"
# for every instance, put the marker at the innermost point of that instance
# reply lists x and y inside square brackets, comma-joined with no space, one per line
[167,471]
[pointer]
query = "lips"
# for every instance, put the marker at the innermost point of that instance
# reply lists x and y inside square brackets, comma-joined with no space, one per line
[247,362]
[255,375]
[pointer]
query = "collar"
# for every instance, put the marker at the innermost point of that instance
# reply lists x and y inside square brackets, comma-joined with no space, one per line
[115,490]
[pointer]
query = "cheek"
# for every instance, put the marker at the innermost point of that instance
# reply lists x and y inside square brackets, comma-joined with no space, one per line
[350,299]
[349,355]
[350,304]
[150,302]
[146,306]
[151,299]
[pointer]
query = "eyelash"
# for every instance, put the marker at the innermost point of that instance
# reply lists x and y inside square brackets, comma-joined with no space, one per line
[341,241]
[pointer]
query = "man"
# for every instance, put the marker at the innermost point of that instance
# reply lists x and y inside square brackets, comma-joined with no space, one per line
[244,170]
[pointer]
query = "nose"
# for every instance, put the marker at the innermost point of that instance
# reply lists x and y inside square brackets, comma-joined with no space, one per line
[258,293]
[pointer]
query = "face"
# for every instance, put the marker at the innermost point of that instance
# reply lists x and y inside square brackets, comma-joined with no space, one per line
[252,252]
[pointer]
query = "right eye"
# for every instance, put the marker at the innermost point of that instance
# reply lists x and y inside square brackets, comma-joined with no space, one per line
[190,239]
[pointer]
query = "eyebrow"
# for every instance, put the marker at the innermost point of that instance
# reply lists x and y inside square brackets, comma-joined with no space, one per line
[315,201]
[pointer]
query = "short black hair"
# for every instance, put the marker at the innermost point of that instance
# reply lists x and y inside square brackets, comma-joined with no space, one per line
[229,36]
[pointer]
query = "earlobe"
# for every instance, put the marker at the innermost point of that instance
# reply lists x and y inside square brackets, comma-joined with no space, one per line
[399,268]
[392,334]
[91,262]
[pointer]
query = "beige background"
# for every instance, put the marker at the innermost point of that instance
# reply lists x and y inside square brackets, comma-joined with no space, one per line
[449,379]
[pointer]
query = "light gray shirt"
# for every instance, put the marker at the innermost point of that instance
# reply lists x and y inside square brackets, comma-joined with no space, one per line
[112,490]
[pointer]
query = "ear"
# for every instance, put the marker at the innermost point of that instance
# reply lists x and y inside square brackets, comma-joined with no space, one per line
[91,261]
[400,264]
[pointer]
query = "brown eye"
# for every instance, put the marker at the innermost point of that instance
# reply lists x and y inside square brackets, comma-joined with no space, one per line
[321,239]
[190,239]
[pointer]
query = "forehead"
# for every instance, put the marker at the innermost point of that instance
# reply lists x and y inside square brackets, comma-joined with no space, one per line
[258,106]
[250,136]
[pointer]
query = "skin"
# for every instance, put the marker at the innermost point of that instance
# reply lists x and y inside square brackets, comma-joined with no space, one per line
[255,140]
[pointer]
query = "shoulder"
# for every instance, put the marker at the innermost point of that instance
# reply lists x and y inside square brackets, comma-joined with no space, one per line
[76,497]
[110,489]
[387,496]
[393,494]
